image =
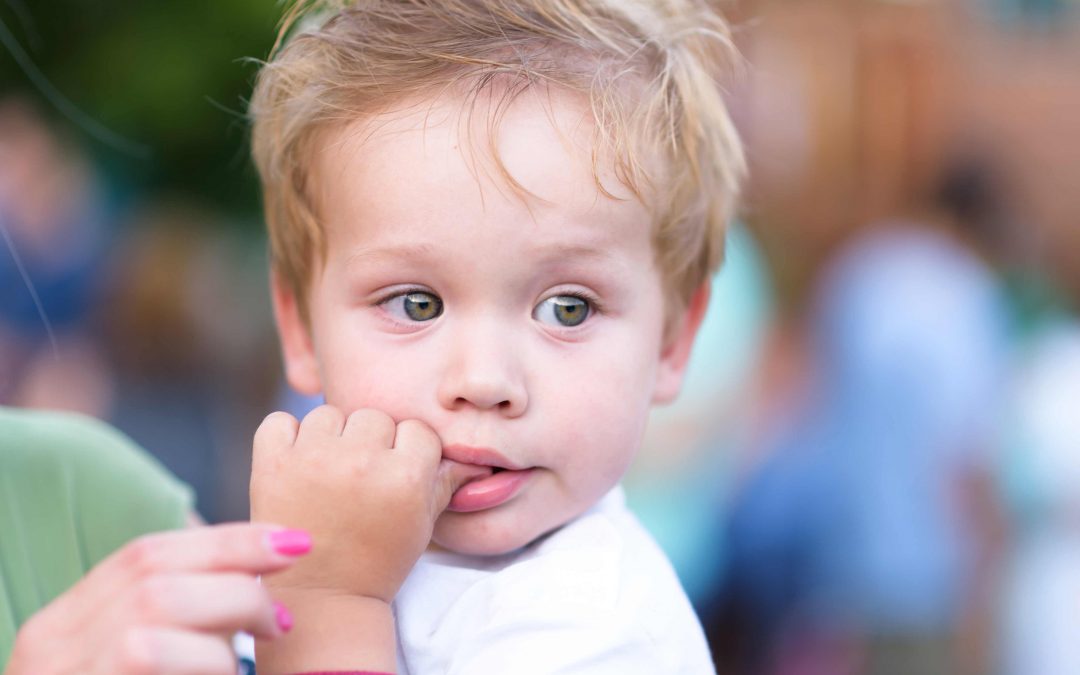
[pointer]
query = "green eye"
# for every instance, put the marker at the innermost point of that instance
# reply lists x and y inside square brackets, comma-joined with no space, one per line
[563,310]
[412,306]
[420,306]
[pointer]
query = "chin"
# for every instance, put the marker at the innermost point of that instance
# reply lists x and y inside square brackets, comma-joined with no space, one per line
[469,534]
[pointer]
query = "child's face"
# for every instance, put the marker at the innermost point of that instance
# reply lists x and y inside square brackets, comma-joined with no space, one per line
[530,340]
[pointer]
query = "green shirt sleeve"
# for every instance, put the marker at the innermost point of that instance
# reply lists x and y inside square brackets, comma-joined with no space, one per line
[72,491]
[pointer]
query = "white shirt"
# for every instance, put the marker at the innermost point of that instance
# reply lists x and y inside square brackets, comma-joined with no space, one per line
[595,596]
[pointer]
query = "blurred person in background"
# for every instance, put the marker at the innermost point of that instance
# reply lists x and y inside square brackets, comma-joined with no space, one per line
[187,329]
[56,227]
[976,206]
[1039,463]
[860,542]
[153,319]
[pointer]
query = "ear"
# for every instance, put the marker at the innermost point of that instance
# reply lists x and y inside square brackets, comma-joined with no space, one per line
[678,345]
[301,366]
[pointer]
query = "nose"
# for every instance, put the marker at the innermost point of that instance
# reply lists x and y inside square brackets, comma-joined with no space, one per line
[484,371]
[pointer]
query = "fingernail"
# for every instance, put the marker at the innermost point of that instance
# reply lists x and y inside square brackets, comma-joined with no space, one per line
[290,542]
[283,617]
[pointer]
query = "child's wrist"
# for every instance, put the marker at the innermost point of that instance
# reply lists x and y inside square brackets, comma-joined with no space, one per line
[332,632]
[302,589]
[342,672]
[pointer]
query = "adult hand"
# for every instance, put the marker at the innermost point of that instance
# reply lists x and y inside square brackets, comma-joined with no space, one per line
[166,603]
[368,489]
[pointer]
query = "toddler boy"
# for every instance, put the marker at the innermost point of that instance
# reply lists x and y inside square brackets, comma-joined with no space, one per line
[492,226]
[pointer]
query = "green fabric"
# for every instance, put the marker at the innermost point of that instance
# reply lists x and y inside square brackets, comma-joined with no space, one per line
[72,491]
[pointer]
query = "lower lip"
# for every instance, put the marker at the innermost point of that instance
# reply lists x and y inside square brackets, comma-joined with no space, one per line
[489,492]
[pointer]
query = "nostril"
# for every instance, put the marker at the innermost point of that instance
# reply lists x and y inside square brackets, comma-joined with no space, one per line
[486,400]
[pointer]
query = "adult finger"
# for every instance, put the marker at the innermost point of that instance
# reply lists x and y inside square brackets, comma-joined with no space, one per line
[170,651]
[374,426]
[251,548]
[221,603]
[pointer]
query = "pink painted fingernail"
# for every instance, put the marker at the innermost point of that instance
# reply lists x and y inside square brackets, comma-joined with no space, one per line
[283,617]
[290,542]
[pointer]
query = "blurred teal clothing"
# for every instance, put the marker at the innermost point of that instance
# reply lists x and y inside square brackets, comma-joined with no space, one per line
[1042,475]
[72,491]
[684,508]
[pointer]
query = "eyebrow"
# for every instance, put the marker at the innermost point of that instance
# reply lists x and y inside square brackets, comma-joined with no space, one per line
[582,257]
[564,251]
[391,253]
[422,251]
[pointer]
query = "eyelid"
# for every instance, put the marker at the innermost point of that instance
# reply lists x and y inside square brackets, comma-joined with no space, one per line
[589,298]
[397,292]
[387,295]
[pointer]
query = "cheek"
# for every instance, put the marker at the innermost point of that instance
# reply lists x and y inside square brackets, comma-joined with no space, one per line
[614,432]
[359,374]
[604,415]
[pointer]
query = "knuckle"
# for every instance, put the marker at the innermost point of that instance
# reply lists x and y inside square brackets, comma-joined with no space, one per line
[370,418]
[276,419]
[360,417]
[220,553]
[151,597]
[410,478]
[407,476]
[229,549]
[275,427]
[251,597]
[324,414]
[139,654]
[359,467]
[143,555]
[420,435]
[377,416]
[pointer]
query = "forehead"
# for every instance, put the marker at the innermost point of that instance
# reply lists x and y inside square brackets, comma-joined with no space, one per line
[446,161]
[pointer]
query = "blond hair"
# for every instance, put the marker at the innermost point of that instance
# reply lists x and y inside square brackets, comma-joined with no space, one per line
[648,69]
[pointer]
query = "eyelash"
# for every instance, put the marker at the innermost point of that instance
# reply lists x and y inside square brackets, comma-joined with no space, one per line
[589,298]
[398,292]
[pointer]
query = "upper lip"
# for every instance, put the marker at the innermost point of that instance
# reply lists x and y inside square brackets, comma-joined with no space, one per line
[467,454]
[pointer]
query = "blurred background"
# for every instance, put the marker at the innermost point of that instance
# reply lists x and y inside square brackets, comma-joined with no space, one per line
[875,465]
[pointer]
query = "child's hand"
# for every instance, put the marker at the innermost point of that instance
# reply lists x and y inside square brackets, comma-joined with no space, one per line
[367,489]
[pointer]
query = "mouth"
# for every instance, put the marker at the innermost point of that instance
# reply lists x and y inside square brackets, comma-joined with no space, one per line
[487,492]
[502,483]
[478,456]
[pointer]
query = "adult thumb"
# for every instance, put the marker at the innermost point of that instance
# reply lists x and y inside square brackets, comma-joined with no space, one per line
[452,475]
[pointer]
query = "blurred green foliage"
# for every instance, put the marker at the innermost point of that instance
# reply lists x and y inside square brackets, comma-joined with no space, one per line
[169,75]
